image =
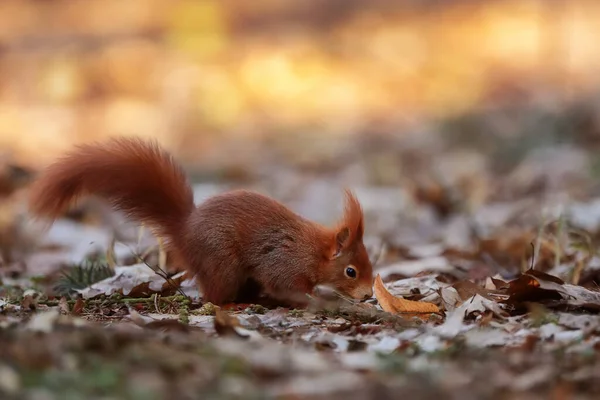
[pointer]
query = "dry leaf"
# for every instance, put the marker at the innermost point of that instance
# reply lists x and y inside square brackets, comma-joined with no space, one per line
[476,305]
[30,299]
[164,324]
[137,318]
[169,324]
[44,321]
[493,283]
[226,324]
[63,306]
[134,281]
[423,288]
[450,298]
[536,286]
[78,307]
[468,289]
[398,305]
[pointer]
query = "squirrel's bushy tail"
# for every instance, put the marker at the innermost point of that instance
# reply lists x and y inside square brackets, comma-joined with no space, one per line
[135,176]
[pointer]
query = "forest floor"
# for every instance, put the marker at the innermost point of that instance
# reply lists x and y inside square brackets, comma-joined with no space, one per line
[503,261]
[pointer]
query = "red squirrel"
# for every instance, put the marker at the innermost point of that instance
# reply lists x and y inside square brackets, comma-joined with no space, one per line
[238,244]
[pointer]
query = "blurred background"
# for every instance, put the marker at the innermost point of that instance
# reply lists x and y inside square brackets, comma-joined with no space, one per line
[295,76]
[446,100]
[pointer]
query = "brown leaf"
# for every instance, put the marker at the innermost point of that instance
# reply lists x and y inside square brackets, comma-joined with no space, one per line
[168,324]
[544,276]
[136,318]
[225,324]
[398,305]
[530,342]
[486,318]
[77,307]
[450,298]
[526,289]
[30,300]
[468,289]
[500,284]
[536,286]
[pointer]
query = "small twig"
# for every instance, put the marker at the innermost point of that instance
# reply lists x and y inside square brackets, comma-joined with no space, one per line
[557,239]
[156,299]
[140,236]
[110,300]
[111,259]
[581,263]
[343,297]
[162,255]
[146,253]
[158,271]
[536,248]
[532,255]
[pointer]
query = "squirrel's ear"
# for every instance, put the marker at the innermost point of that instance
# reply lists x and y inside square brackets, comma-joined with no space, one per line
[351,227]
[342,240]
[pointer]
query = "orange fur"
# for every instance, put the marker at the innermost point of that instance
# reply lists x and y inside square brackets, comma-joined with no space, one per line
[239,244]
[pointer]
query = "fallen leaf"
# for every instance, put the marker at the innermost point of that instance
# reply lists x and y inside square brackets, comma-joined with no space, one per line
[77,307]
[484,337]
[163,324]
[536,286]
[226,324]
[10,380]
[63,306]
[168,324]
[425,288]
[398,305]
[453,296]
[496,284]
[137,318]
[529,343]
[476,305]
[584,322]
[30,299]
[450,298]
[454,323]
[468,289]
[44,321]
[134,281]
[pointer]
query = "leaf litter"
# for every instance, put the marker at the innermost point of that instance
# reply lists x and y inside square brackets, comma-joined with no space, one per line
[442,317]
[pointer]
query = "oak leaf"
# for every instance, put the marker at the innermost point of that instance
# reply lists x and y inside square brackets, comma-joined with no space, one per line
[398,305]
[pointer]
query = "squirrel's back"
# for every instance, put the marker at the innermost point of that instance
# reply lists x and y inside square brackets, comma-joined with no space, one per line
[245,235]
[256,226]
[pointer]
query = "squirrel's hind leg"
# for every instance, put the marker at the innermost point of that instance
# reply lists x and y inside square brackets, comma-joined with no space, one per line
[218,287]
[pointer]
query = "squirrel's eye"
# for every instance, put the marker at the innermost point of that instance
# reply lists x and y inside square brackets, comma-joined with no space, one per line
[350,272]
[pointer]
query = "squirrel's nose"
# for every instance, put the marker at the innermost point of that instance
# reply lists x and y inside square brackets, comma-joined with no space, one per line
[362,294]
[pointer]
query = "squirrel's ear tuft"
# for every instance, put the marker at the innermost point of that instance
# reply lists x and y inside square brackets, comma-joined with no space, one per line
[351,227]
[353,216]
